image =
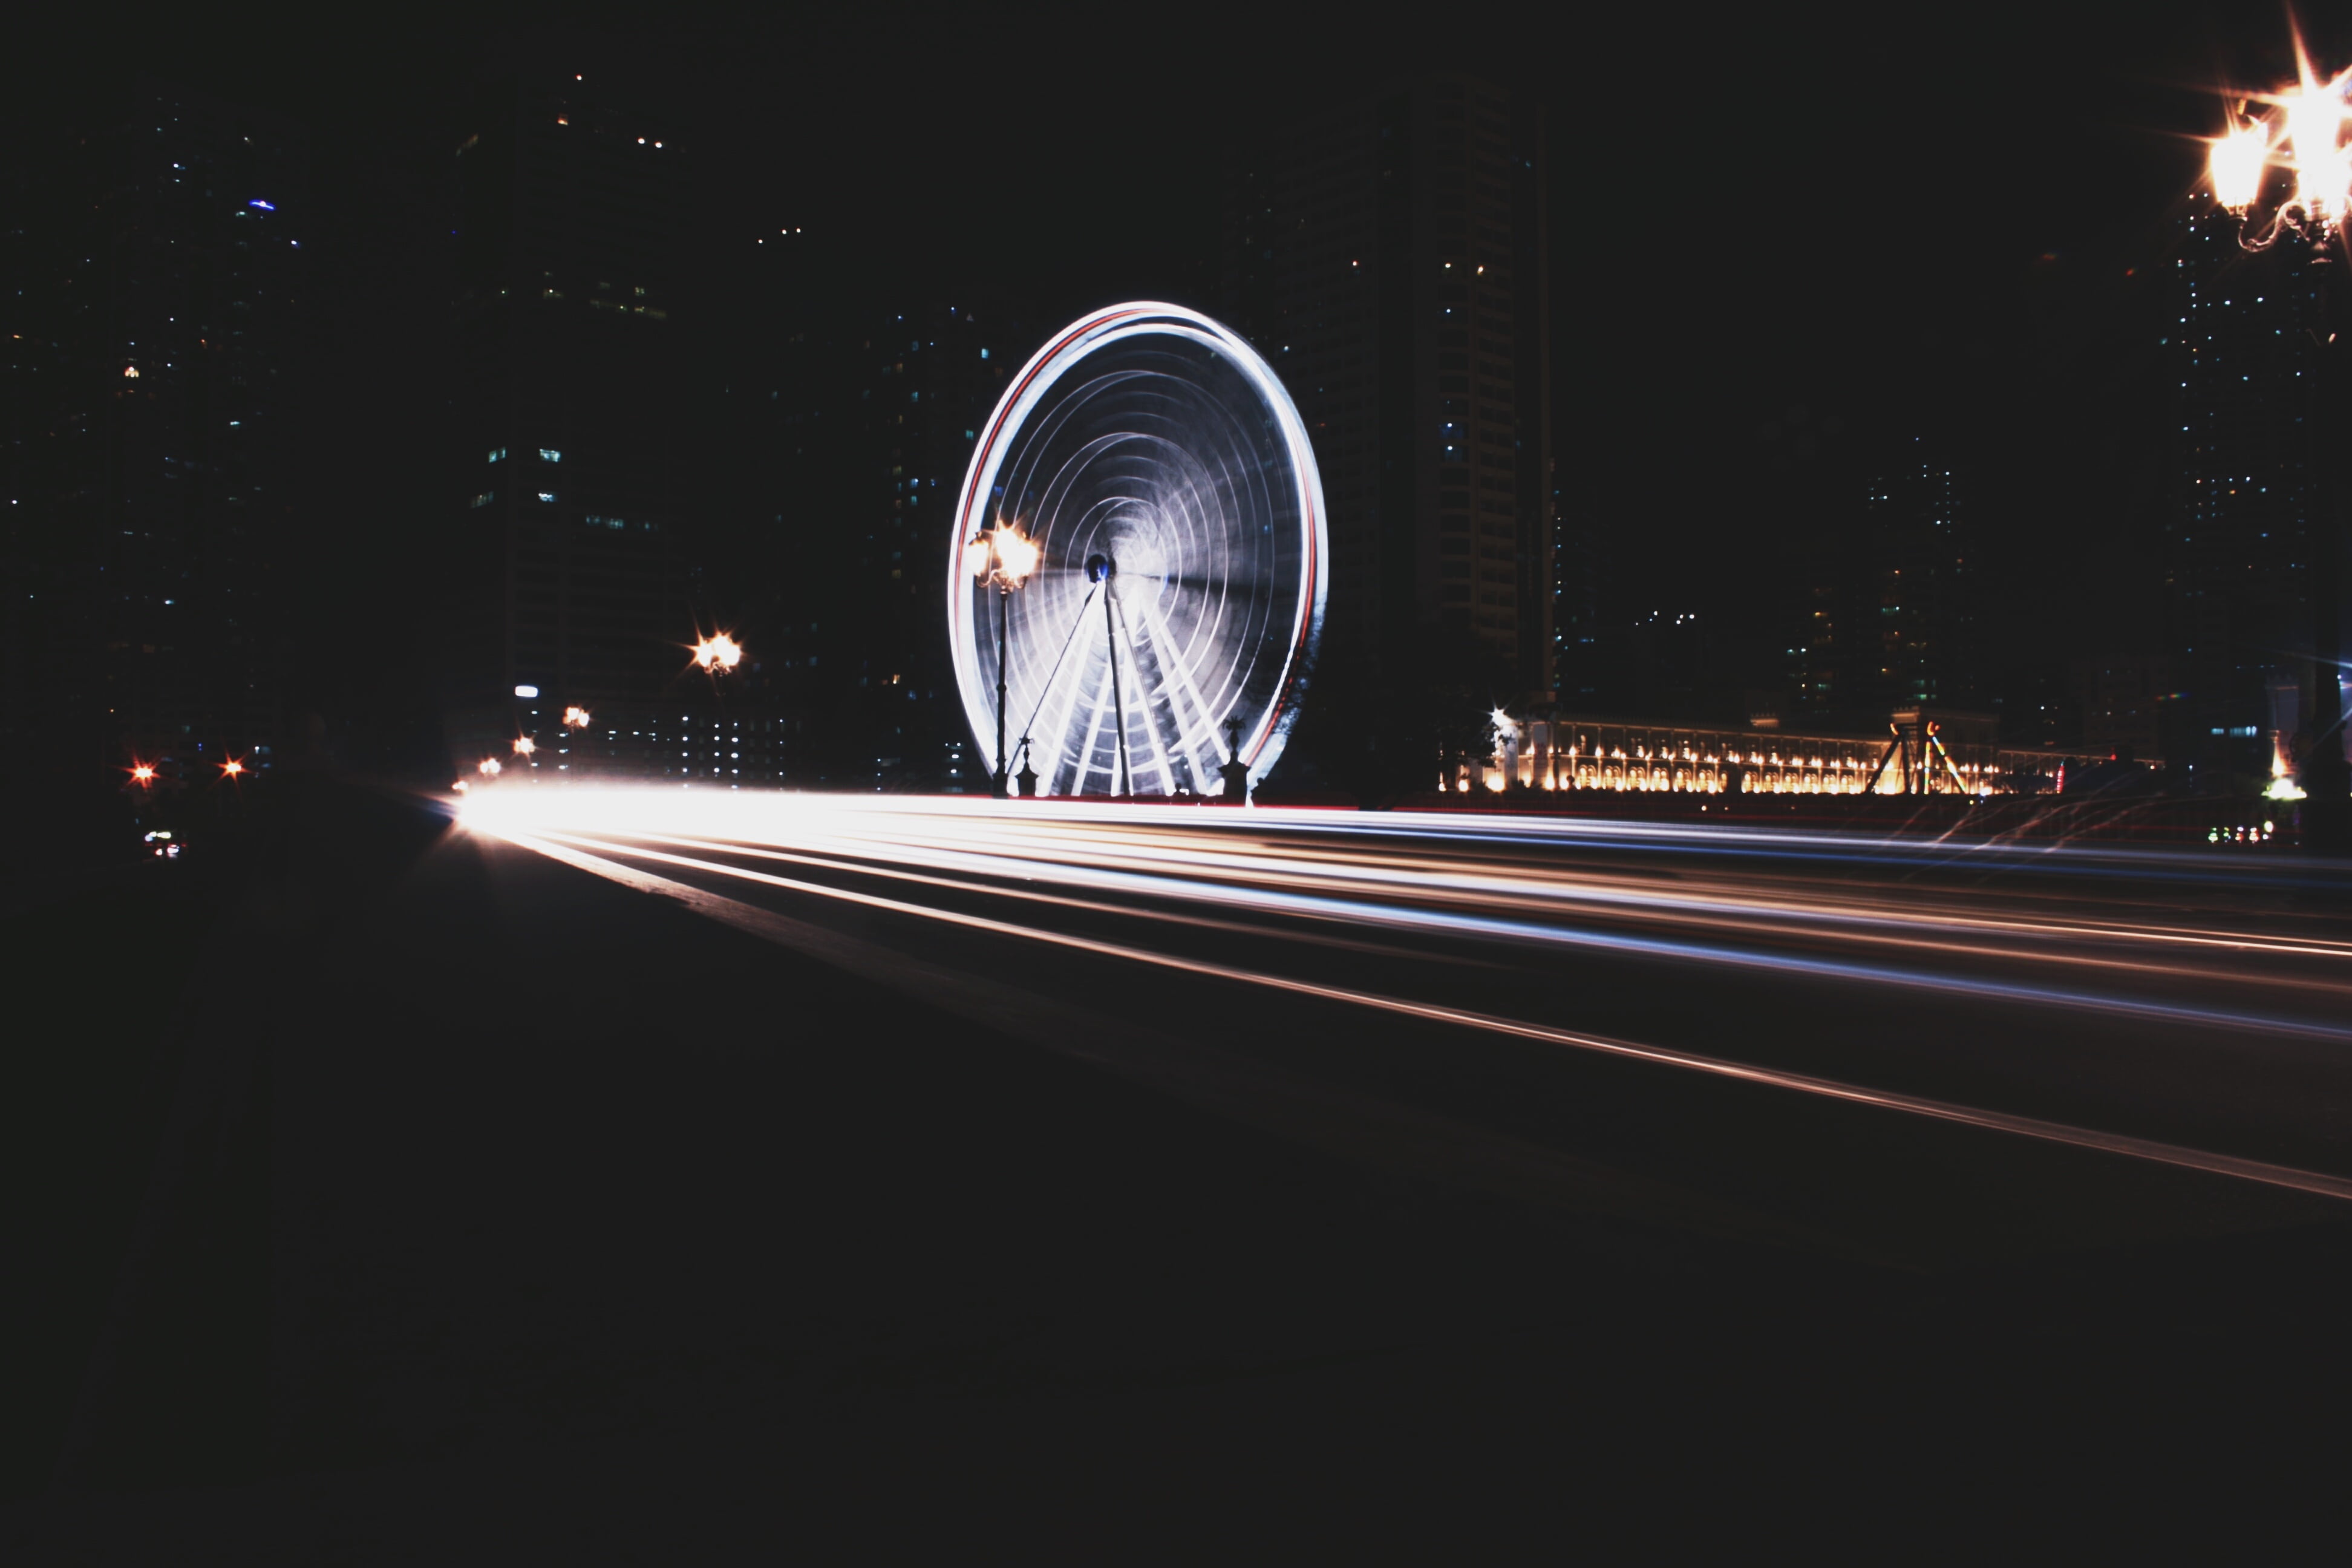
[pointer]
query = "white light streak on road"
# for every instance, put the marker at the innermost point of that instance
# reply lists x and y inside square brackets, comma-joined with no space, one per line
[580,851]
[1282,865]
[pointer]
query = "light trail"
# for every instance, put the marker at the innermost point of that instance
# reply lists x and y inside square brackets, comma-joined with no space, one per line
[1232,863]
[2004,946]
[580,851]
[1456,925]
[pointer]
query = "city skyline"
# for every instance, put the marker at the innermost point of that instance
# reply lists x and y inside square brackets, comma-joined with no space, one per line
[1683,613]
[838,782]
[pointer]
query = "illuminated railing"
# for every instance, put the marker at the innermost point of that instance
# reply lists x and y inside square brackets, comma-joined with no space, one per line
[1628,756]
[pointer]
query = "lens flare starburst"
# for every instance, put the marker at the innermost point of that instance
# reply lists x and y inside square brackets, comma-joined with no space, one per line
[718,652]
[2297,128]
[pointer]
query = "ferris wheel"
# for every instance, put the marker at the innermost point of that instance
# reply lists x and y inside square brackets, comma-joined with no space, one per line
[1137,574]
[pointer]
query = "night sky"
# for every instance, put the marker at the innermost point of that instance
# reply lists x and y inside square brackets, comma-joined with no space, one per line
[1772,231]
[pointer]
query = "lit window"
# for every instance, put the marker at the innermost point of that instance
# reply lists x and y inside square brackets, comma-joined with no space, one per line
[549,455]
[983,353]
[498,453]
[546,495]
[486,498]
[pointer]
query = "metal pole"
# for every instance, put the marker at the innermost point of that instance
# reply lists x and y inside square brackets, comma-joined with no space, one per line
[1004,615]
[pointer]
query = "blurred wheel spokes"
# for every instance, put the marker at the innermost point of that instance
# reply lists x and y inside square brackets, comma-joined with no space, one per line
[1152,439]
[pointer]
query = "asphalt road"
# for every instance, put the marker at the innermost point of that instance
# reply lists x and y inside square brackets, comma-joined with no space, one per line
[1930,1051]
[597,1183]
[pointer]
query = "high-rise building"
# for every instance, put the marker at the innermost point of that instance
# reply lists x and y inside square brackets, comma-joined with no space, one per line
[927,380]
[856,429]
[2237,616]
[1917,629]
[1389,260]
[1878,600]
[572,408]
[155,265]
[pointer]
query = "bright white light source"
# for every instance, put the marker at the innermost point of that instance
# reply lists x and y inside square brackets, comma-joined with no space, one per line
[525,691]
[2236,164]
[2314,117]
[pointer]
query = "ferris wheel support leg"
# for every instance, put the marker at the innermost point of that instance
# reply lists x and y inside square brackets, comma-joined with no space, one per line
[1118,706]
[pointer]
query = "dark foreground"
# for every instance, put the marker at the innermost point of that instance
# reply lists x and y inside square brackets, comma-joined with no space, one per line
[387,1195]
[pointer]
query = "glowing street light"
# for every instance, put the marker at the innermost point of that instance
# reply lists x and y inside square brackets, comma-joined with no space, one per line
[2302,131]
[233,768]
[2303,134]
[490,768]
[142,774]
[524,745]
[2236,163]
[718,653]
[1004,554]
[1007,557]
[575,718]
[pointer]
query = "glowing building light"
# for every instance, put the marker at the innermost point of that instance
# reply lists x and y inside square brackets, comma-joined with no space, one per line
[525,691]
[575,718]
[490,768]
[231,767]
[524,745]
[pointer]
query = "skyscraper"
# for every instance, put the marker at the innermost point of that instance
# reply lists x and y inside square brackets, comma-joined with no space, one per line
[153,385]
[861,433]
[2237,620]
[1389,260]
[573,403]
[1877,600]
[1917,623]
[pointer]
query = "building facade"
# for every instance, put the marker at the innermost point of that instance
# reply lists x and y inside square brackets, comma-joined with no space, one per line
[154,390]
[2236,620]
[1390,261]
[575,388]
[863,424]
[1879,590]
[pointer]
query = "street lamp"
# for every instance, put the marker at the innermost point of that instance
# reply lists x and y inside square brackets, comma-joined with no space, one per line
[2300,130]
[718,653]
[1005,556]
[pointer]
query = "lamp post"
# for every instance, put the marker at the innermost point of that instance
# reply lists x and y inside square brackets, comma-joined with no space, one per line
[1005,556]
[2300,130]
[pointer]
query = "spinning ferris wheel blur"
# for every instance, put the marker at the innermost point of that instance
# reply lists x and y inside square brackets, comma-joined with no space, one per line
[1151,483]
